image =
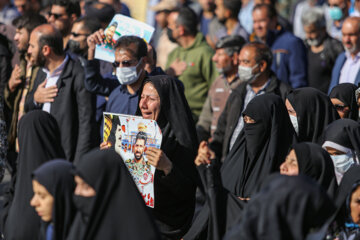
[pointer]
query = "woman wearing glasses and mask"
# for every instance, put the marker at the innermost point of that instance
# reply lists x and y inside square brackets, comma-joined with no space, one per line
[344,100]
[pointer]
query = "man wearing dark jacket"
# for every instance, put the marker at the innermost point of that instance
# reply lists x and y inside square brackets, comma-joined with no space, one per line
[59,89]
[255,70]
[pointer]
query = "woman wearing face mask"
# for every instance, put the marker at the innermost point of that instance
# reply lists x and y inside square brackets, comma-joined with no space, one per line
[39,142]
[342,142]
[53,186]
[108,201]
[344,100]
[313,161]
[310,112]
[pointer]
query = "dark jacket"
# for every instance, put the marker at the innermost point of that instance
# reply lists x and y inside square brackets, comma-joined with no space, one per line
[231,114]
[73,108]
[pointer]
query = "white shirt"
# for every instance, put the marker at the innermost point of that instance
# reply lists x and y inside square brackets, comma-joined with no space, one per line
[350,69]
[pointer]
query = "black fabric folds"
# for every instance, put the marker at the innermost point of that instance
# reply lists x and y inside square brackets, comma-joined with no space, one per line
[315,162]
[175,193]
[117,211]
[286,207]
[314,112]
[56,177]
[260,148]
[345,92]
[39,142]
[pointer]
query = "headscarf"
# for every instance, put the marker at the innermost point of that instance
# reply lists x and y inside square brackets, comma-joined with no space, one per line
[314,112]
[117,211]
[345,92]
[56,177]
[175,193]
[287,207]
[39,142]
[260,148]
[315,162]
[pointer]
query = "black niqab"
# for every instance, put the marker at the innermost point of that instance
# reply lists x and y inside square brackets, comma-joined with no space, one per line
[56,177]
[315,162]
[39,142]
[345,92]
[260,148]
[286,207]
[117,211]
[314,112]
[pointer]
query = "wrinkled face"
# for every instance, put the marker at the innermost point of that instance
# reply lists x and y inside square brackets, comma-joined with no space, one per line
[139,149]
[261,23]
[355,206]
[350,36]
[22,39]
[59,19]
[340,107]
[150,102]
[290,108]
[22,6]
[35,53]
[290,167]
[82,188]
[42,201]
[79,35]
[223,60]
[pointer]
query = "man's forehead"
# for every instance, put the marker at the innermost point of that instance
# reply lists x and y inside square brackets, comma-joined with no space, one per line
[129,51]
[58,9]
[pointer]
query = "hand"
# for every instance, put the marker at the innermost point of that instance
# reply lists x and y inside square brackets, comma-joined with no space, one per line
[95,38]
[158,159]
[177,67]
[105,145]
[44,95]
[205,154]
[15,78]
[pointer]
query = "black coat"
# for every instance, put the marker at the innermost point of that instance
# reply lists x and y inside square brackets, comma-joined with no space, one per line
[73,108]
[232,111]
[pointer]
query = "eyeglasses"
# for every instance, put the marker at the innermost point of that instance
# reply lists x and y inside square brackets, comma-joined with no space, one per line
[78,34]
[56,15]
[126,63]
[340,107]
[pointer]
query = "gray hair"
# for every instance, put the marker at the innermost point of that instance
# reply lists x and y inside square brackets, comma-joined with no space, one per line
[314,15]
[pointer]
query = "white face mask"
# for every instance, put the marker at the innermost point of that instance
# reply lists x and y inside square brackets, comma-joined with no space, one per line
[128,75]
[342,162]
[295,123]
[246,75]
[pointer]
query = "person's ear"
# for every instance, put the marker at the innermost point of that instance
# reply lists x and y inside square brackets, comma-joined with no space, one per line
[263,65]
[181,30]
[46,50]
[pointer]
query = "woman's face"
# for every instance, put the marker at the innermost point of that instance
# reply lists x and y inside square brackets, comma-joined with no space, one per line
[42,201]
[150,102]
[340,107]
[355,206]
[290,108]
[290,167]
[82,188]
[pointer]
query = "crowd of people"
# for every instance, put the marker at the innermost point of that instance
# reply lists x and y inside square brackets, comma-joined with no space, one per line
[258,107]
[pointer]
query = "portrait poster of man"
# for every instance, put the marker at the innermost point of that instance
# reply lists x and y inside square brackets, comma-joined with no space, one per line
[119,26]
[131,136]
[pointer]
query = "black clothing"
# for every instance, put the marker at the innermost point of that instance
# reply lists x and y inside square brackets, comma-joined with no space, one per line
[260,148]
[117,211]
[345,92]
[315,162]
[175,192]
[73,108]
[287,207]
[231,114]
[314,112]
[39,142]
[56,177]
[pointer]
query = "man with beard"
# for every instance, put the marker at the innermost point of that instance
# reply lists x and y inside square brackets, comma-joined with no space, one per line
[347,65]
[22,77]
[62,16]
[59,89]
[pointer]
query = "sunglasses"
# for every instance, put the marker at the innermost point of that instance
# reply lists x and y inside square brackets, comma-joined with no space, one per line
[78,34]
[339,107]
[126,63]
[56,16]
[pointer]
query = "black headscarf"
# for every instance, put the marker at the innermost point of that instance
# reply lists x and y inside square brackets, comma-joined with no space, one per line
[287,207]
[345,92]
[117,211]
[56,177]
[260,148]
[314,112]
[175,193]
[315,162]
[39,142]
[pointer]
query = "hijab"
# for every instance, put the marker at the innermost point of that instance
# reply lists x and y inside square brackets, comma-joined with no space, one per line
[345,92]
[286,207]
[39,142]
[314,112]
[117,211]
[260,148]
[315,162]
[56,177]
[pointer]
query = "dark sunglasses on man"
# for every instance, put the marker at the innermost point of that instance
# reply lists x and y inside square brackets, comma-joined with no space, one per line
[56,16]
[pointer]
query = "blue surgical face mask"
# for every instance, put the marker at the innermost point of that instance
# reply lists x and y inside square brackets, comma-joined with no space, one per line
[342,162]
[335,13]
[295,123]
